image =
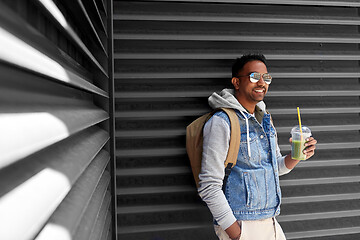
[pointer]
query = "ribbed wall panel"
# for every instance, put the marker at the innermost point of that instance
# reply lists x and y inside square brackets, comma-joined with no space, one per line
[171,55]
[56,161]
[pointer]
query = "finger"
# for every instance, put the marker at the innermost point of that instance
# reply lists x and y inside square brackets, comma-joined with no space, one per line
[312,142]
[290,140]
[309,139]
[309,154]
[313,146]
[310,148]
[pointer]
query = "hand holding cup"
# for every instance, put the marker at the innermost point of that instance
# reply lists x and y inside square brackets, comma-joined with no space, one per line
[302,143]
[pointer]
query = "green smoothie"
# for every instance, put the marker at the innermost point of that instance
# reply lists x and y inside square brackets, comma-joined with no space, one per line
[297,148]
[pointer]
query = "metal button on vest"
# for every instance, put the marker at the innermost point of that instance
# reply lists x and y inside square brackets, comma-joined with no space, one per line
[261,136]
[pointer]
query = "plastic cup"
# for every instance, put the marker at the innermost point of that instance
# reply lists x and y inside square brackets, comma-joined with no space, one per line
[298,142]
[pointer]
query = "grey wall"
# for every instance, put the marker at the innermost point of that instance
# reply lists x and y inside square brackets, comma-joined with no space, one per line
[170,55]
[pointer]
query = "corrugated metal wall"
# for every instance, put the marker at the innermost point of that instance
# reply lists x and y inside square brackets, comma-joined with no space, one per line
[55,173]
[170,55]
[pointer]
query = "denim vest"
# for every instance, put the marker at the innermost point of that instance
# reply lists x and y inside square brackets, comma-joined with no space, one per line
[252,188]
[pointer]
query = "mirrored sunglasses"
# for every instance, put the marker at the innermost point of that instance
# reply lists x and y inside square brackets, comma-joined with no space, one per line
[255,77]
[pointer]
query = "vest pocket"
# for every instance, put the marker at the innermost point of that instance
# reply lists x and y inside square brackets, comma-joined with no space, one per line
[248,190]
[254,195]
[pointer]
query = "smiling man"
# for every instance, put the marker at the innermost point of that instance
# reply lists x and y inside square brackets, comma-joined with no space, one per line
[249,202]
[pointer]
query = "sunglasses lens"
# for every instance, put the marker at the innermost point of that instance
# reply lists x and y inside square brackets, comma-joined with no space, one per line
[267,78]
[255,77]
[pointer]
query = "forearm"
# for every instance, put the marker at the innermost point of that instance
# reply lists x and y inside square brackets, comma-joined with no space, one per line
[289,162]
[309,152]
[216,138]
[215,199]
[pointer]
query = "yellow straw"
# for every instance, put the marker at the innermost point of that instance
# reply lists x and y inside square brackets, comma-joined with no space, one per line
[298,110]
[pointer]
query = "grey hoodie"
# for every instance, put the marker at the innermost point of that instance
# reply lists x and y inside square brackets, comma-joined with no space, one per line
[217,133]
[227,99]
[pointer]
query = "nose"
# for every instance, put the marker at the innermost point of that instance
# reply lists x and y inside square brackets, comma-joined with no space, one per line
[261,82]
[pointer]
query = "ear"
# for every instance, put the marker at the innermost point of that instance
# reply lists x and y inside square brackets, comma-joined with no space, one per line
[235,82]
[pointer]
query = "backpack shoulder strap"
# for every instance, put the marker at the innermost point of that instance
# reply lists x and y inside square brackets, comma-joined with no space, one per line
[235,136]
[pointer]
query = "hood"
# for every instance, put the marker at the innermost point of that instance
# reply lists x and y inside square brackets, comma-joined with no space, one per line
[227,99]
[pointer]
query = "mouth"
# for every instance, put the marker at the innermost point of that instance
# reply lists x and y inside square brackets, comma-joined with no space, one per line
[259,90]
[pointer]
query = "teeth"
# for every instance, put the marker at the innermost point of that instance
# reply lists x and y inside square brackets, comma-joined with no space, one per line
[262,90]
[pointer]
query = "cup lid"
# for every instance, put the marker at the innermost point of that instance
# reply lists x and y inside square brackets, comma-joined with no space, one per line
[304,129]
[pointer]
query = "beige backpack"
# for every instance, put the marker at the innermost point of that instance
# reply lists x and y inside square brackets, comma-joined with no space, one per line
[194,142]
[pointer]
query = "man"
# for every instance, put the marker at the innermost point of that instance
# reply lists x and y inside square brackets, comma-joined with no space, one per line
[251,198]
